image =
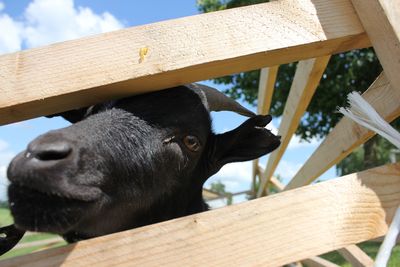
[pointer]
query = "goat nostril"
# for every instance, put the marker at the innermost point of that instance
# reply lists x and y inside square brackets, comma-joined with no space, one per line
[52,151]
[52,155]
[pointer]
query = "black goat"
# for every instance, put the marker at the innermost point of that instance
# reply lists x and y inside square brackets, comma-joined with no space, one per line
[129,163]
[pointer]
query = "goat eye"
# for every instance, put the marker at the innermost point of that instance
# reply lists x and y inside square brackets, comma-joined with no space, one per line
[192,143]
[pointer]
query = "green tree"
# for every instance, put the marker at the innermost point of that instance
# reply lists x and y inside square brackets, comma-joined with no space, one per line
[4,204]
[381,151]
[219,188]
[346,72]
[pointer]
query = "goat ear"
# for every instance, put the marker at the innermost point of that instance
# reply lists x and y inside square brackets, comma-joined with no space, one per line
[72,116]
[247,142]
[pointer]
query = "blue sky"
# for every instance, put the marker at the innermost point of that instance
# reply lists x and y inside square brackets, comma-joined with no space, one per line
[31,23]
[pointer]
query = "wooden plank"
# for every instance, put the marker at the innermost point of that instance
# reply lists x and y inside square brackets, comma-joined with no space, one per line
[275,182]
[82,72]
[356,257]
[254,174]
[272,231]
[305,82]
[210,195]
[347,135]
[318,262]
[313,261]
[226,195]
[352,253]
[266,87]
[381,19]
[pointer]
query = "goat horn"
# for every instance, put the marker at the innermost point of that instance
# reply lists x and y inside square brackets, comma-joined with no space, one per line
[217,101]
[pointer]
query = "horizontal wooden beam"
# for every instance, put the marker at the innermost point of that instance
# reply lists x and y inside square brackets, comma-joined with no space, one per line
[81,72]
[348,135]
[351,253]
[226,195]
[305,82]
[313,261]
[210,195]
[272,231]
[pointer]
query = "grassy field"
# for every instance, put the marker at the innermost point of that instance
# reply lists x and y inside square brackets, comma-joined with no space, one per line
[6,219]
[371,248]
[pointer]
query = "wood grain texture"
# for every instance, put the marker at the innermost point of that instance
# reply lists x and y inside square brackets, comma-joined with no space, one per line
[356,257]
[266,89]
[305,82]
[272,231]
[352,253]
[347,135]
[381,20]
[82,72]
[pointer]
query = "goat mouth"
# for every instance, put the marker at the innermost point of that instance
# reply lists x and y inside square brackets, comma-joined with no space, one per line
[34,210]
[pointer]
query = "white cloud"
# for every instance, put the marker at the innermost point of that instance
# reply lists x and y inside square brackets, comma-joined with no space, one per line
[3,145]
[3,183]
[287,169]
[272,127]
[49,21]
[44,22]
[235,176]
[295,141]
[5,157]
[11,33]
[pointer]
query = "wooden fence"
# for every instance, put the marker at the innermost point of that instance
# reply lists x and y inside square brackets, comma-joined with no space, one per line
[295,225]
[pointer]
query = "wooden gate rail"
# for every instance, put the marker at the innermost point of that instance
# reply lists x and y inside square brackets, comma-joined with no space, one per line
[81,72]
[272,231]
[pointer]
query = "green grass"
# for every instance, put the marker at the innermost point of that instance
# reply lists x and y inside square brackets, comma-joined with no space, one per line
[23,251]
[37,237]
[18,252]
[371,248]
[5,217]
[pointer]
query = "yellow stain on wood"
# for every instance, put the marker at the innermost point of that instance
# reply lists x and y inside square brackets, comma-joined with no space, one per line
[143,53]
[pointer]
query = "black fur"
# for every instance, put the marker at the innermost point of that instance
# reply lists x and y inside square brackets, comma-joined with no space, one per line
[124,164]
